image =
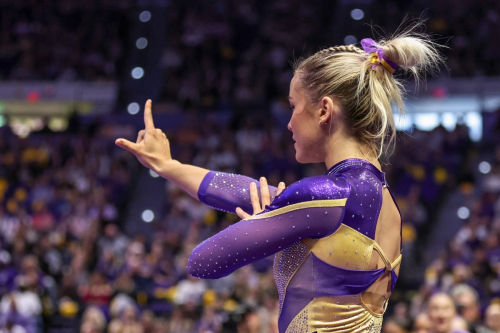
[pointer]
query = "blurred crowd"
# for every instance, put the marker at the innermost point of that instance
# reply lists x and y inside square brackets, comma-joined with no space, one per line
[467,273]
[228,53]
[239,53]
[66,264]
[222,52]
[57,192]
[465,27]
[86,38]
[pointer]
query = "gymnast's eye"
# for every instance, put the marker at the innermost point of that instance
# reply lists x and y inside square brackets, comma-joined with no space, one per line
[292,107]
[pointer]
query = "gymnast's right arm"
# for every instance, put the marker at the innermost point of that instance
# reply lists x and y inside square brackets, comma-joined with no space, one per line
[152,149]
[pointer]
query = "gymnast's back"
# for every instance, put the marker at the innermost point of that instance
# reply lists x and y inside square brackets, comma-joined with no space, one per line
[336,240]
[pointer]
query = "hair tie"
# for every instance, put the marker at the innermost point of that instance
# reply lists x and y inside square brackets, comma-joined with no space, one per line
[377,55]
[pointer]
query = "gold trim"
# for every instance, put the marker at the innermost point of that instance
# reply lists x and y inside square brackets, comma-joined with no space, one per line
[367,308]
[388,264]
[397,261]
[387,66]
[383,256]
[300,205]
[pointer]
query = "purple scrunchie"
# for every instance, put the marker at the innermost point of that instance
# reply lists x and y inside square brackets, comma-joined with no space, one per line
[372,47]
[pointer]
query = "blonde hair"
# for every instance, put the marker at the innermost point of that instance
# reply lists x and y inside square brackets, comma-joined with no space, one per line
[366,95]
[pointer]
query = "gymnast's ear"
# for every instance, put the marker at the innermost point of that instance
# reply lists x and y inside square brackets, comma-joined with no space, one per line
[329,109]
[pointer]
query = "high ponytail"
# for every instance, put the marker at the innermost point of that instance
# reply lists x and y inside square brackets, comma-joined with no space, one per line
[365,89]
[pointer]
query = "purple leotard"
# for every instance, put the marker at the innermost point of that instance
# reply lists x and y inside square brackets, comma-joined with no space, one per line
[321,230]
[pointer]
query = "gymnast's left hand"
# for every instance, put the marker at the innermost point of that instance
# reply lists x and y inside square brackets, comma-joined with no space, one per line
[254,197]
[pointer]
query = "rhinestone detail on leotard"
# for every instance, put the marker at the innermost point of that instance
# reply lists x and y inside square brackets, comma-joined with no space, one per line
[286,263]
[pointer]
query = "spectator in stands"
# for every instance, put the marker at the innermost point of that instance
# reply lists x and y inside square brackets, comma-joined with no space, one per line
[394,325]
[113,241]
[492,317]
[93,321]
[466,300]
[422,324]
[441,313]
[127,322]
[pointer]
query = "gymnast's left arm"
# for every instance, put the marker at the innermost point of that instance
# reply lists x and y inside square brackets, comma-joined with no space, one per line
[297,213]
[227,191]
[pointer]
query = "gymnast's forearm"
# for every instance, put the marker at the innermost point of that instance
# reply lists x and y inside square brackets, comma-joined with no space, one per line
[187,177]
[219,190]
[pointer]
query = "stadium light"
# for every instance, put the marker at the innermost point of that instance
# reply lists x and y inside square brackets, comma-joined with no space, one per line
[141,43]
[137,73]
[133,108]
[148,215]
[350,39]
[484,167]
[463,213]
[357,14]
[145,16]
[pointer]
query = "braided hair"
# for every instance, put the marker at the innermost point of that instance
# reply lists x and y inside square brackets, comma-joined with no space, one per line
[367,94]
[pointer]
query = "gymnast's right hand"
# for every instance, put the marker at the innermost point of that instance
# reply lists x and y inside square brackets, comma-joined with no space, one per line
[152,147]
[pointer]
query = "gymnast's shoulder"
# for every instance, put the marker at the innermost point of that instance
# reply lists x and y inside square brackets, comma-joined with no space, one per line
[324,187]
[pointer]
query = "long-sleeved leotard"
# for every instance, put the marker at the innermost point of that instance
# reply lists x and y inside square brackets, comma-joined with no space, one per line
[322,236]
[227,191]
[272,230]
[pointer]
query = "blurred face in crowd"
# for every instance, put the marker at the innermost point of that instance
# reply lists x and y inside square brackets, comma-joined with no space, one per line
[304,124]
[461,273]
[492,317]
[391,326]
[441,312]
[251,324]
[468,307]
[29,264]
[459,324]
[128,315]
[111,230]
[422,324]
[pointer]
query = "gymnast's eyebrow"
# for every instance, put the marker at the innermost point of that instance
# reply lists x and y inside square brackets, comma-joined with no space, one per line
[290,97]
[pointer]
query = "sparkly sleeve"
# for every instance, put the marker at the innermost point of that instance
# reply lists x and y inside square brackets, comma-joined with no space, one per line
[303,210]
[226,191]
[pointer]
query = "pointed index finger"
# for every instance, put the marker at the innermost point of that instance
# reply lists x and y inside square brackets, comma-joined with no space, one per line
[148,116]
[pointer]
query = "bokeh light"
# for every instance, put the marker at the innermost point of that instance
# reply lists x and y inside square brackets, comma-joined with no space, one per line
[463,213]
[148,215]
[141,43]
[350,39]
[137,73]
[145,16]
[133,108]
[484,167]
[357,14]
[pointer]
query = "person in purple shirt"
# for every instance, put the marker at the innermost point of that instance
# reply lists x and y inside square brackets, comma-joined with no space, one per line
[336,238]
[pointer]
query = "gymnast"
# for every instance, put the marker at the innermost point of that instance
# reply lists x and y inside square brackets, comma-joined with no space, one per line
[336,238]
